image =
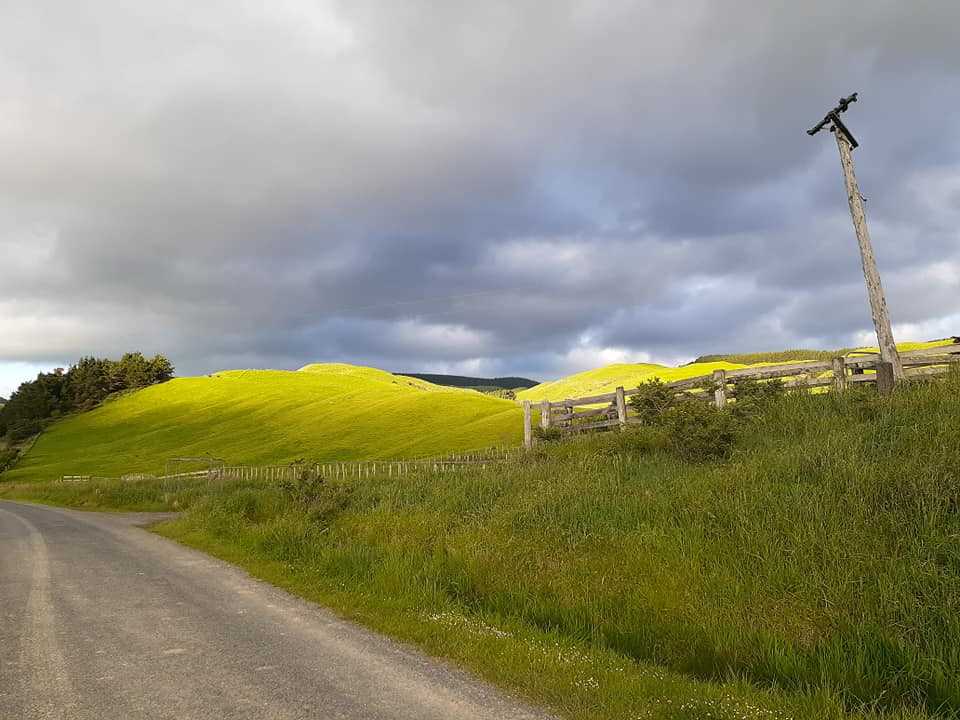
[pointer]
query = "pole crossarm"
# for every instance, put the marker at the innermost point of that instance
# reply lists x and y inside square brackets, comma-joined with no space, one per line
[832,118]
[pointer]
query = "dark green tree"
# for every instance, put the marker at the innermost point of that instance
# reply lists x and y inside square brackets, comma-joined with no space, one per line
[161,369]
[82,387]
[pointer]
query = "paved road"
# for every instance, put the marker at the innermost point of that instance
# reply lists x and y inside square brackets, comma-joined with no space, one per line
[101,619]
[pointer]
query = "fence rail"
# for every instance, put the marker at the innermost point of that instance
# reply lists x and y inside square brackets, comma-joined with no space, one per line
[721,386]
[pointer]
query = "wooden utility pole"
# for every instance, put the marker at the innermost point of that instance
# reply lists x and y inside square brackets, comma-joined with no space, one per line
[885,380]
[878,302]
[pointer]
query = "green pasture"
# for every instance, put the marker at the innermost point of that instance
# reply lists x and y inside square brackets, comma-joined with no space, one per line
[322,412]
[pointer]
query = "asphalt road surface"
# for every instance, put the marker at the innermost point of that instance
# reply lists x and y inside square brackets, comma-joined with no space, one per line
[101,619]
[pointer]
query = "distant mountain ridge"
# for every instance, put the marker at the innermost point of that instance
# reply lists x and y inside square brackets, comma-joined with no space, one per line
[462,381]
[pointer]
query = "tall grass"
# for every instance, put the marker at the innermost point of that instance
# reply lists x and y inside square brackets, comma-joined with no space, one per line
[821,561]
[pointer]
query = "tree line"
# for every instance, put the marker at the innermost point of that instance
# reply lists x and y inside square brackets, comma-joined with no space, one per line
[81,387]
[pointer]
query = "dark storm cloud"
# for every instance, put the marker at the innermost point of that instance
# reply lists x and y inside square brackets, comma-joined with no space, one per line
[522,187]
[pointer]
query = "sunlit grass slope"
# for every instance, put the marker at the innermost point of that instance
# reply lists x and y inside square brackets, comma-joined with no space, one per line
[322,412]
[609,378]
[779,356]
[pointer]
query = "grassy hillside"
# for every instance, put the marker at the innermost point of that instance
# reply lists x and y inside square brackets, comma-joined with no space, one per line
[264,416]
[607,379]
[815,574]
[795,355]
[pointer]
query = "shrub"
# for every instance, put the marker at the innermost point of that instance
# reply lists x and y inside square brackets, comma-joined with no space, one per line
[752,396]
[23,430]
[698,431]
[305,487]
[652,399]
[8,457]
[311,492]
[334,499]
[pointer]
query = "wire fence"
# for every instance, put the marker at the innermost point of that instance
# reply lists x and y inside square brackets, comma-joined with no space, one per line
[333,469]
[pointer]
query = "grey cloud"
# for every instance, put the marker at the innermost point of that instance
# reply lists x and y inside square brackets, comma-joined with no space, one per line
[465,185]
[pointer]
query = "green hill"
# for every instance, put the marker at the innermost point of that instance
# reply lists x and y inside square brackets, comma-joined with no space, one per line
[607,379]
[321,412]
[779,356]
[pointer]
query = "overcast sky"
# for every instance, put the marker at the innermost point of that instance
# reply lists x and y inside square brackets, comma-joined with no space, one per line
[486,188]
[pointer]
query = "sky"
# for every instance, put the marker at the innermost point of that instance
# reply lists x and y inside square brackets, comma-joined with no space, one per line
[523,188]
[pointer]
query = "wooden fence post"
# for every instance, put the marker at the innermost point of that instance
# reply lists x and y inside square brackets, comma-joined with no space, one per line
[527,428]
[885,378]
[839,374]
[720,388]
[545,414]
[621,408]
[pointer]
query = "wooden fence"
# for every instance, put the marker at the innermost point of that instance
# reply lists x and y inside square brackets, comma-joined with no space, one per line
[610,410]
[363,469]
[345,469]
